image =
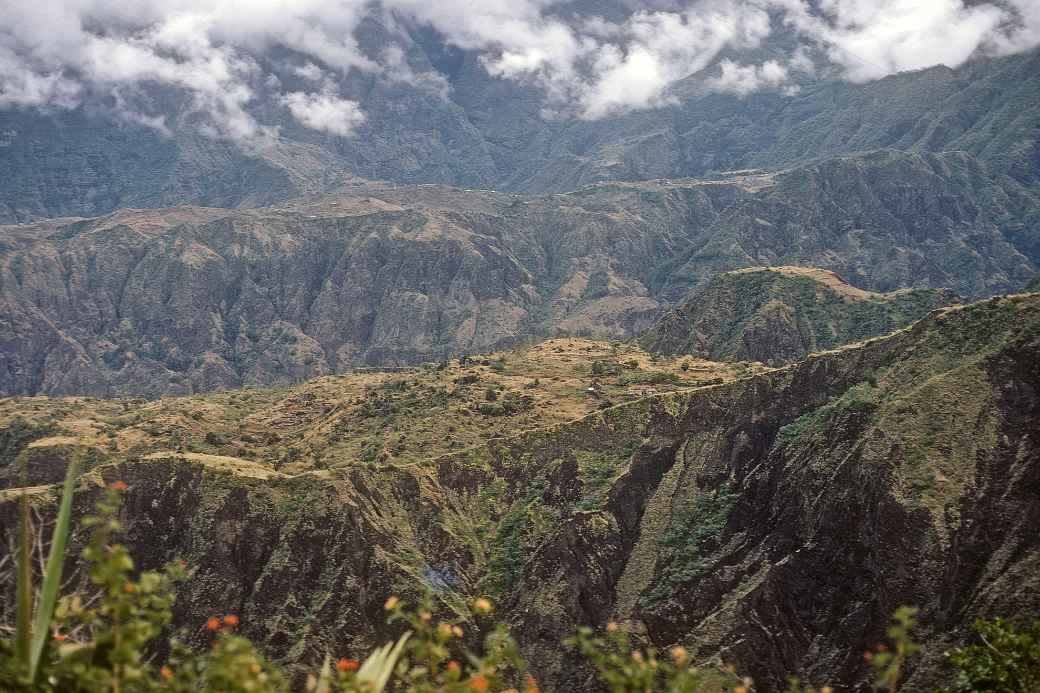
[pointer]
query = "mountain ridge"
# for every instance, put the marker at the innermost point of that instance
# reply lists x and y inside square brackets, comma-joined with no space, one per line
[490,133]
[384,275]
[828,451]
[781,314]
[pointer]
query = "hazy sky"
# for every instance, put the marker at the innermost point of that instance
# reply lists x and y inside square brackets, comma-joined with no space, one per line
[54,53]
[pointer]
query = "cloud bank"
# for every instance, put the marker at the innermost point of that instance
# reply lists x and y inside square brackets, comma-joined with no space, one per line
[226,56]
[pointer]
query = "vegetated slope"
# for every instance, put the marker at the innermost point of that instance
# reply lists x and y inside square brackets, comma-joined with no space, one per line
[780,314]
[198,299]
[401,415]
[491,133]
[775,521]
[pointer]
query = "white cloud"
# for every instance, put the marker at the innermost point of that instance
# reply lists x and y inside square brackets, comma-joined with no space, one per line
[325,112]
[664,47]
[874,39]
[54,53]
[309,72]
[745,79]
[396,68]
[20,86]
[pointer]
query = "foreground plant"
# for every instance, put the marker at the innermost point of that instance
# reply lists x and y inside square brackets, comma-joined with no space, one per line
[31,634]
[626,668]
[889,660]
[100,640]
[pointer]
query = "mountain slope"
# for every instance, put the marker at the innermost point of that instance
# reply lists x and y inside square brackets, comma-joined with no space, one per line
[780,314]
[197,299]
[491,133]
[403,415]
[776,520]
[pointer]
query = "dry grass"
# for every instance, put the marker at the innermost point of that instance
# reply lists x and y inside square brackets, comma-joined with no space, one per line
[341,420]
[822,276]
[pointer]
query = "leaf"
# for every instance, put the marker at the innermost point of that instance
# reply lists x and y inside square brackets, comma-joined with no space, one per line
[322,684]
[55,564]
[379,665]
[23,622]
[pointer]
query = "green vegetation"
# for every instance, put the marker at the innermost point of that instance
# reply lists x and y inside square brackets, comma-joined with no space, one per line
[598,471]
[363,417]
[682,548]
[1004,660]
[862,396]
[778,315]
[623,666]
[102,639]
[516,533]
[18,433]
[32,635]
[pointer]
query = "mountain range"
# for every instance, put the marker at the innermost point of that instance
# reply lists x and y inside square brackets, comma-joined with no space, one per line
[743,362]
[194,299]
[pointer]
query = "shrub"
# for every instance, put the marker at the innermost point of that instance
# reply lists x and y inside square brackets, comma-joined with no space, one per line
[1004,660]
[215,439]
[101,640]
[623,667]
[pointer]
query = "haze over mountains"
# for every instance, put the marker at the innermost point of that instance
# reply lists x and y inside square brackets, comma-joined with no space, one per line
[308,255]
[185,103]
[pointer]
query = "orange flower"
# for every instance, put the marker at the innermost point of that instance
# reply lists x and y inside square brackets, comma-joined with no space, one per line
[61,637]
[479,683]
[453,667]
[166,673]
[344,664]
[679,653]
[530,684]
[231,620]
[482,605]
[391,603]
[119,486]
[457,631]
[612,627]
[255,668]
[128,587]
[213,623]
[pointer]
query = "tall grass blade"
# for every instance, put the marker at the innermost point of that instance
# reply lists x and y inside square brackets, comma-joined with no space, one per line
[23,584]
[55,564]
[380,664]
[23,618]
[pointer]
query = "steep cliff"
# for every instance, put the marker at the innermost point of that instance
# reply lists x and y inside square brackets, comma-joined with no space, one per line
[197,299]
[774,521]
[779,315]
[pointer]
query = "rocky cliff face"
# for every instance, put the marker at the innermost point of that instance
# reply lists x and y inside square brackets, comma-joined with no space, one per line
[774,521]
[781,314]
[197,299]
